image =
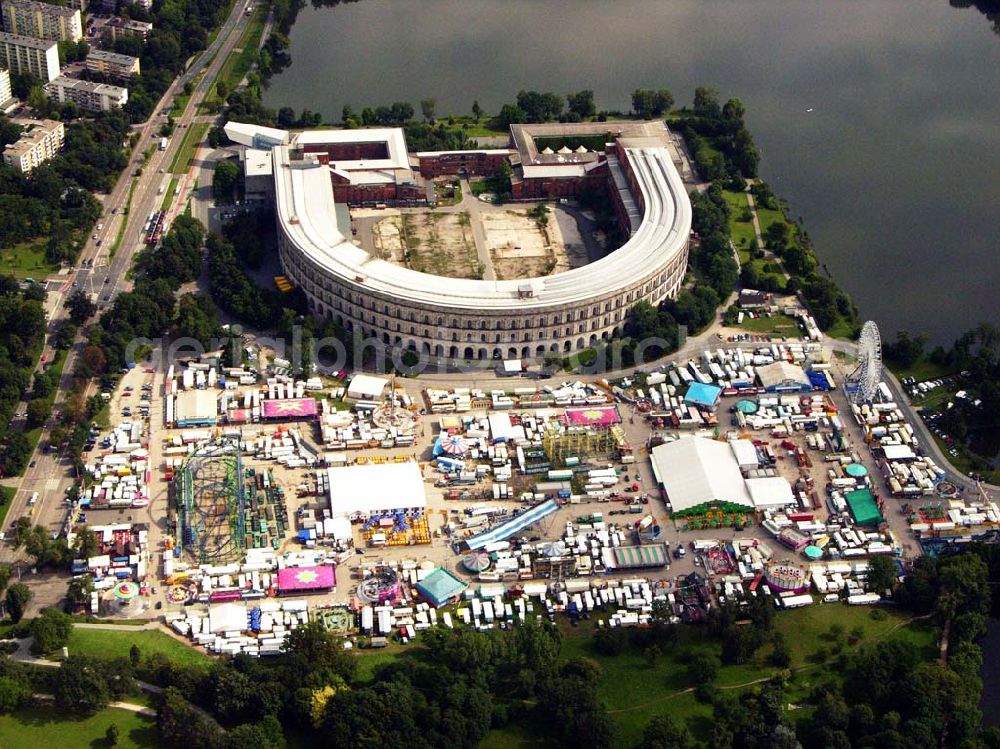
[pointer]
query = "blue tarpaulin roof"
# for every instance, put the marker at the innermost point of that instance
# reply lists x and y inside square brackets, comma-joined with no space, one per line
[516,524]
[700,394]
[440,586]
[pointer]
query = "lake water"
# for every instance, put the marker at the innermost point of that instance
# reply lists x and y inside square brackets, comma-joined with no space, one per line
[895,171]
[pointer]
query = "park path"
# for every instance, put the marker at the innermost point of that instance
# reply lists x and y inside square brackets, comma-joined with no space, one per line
[146,712]
[753,217]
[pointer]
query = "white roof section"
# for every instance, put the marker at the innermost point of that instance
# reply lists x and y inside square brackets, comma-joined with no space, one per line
[376,488]
[254,135]
[195,404]
[366,387]
[745,453]
[538,171]
[393,138]
[501,428]
[227,617]
[770,491]
[695,470]
[781,373]
[898,452]
[257,163]
[305,209]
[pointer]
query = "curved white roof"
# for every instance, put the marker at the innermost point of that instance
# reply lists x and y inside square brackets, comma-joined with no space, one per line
[305,207]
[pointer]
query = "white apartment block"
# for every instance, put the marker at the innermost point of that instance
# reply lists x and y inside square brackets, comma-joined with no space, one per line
[111,63]
[121,28]
[42,20]
[5,91]
[25,54]
[90,97]
[36,146]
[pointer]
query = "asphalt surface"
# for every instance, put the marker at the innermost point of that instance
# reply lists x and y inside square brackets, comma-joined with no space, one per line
[50,473]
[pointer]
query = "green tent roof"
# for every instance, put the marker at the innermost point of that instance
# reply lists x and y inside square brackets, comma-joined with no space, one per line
[863,507]
[440,586]
[652,555]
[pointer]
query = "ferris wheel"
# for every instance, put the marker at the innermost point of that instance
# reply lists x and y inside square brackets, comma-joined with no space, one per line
[865,378]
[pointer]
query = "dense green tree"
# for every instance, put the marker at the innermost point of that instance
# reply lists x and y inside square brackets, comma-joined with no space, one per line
[428,107]
[13,694]
[16,601]
[881,574]
[702,668]
[225,179]
[78,591]
[582,103]
[50,630]
[663,732]
[82,684]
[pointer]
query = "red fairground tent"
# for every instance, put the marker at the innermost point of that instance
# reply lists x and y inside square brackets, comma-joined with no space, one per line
[604,416]
[289,408]
[292,580]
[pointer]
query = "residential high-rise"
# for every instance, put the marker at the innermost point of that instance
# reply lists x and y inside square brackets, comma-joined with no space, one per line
[111,63]
[6,95]
[90,97]
[36,146]
[25,54]
[42,20]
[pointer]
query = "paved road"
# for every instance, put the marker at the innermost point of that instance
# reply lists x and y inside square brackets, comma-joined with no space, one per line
[105,276]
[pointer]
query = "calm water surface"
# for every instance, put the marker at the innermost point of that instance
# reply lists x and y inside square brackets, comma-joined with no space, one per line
[895,172]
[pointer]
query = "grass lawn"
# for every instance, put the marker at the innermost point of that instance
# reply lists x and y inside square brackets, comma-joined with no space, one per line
[244,54]
[125,213]
[842,329]
[741,231]
[760,264]
[766,217]
[924,369]
[774,325]
[106,643]
[179,105]
[189,146]
[6,497]
[169,195]
[27,260]
[43,724]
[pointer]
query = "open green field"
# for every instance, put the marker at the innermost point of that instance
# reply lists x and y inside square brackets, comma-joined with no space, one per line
[6,497]
[243,56]
[774,325]
[767,216]
[169,196]
[742,231]
[193,137]
[924,369]
[125,213]
[44,725]
[633,690]
[107,643]
[27,260]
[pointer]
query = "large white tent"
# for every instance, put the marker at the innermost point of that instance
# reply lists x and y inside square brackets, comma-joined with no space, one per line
[382,487]
[227,617]
[696,470]
[745,453]
[366,388]
[770,491]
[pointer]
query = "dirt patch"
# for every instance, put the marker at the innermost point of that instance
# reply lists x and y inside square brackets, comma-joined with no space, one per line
[438,243]
[522,246]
